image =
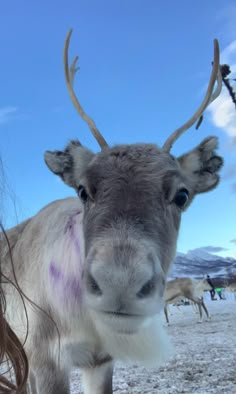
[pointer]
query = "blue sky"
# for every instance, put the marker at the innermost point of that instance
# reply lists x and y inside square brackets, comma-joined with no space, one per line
[144,66]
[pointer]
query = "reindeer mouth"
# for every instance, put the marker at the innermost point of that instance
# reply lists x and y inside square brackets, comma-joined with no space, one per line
[121,314]
[122,323]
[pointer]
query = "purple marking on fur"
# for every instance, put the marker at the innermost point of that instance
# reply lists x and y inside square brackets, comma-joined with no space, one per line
[70,285]
[54,272]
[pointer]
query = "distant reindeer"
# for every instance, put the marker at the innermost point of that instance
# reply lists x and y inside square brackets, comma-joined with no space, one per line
[97,264]
[231,287]
[186,288]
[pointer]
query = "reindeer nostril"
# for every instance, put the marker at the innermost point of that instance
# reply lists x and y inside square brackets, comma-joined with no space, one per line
[147,289]
[93,286]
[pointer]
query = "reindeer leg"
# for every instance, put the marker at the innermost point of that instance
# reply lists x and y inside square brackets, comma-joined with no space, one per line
[51,379]
[98,379]
[194,306]
[166,314]
[205,309]
[200,311]
[32,386]
[199,304]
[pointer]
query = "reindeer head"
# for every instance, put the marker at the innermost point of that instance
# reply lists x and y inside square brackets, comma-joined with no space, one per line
[133,197]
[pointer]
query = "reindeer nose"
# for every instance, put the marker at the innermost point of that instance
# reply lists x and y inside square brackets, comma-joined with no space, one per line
[121,286]
[146,290]
[125,278]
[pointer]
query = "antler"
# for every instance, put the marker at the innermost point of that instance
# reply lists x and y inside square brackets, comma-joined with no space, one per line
[69,75]
[209,97]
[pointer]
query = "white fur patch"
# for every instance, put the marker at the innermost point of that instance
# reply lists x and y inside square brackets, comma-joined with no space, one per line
[150,346]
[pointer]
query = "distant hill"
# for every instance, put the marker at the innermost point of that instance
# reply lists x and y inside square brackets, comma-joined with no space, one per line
[198,264]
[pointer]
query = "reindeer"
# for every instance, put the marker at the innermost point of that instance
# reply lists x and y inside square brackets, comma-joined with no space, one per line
[97,264]
[186,288]
[231,287]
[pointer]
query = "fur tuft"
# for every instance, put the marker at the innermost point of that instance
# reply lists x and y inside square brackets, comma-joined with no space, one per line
[150,347]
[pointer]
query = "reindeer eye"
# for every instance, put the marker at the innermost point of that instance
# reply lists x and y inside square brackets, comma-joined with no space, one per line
[181,198]
[82,193]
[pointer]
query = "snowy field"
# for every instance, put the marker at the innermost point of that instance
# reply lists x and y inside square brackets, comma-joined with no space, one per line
[204,360]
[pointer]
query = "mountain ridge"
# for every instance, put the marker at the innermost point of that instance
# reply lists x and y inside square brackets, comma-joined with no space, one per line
[199,263]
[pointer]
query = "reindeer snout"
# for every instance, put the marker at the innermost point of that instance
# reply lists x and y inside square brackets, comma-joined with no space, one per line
[146,290]
[131,286]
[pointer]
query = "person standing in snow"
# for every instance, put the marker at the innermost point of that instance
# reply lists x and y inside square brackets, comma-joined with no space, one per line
[219,293]
[212,291]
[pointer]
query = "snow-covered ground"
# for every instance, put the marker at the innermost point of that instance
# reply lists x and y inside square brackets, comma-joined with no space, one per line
[204,361]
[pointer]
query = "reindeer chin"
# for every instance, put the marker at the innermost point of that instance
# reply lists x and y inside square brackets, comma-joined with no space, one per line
[120,323]
[149,345]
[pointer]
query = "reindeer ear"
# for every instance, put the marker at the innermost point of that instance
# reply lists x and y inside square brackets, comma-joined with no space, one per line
[201,165]
[69,164]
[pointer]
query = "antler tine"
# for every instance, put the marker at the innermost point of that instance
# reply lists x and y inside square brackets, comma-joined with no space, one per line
[209,97]
[218,88]
[214,95]
[73,69]
[69,75]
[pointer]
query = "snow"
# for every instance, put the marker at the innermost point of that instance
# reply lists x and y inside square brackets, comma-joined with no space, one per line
[204,359]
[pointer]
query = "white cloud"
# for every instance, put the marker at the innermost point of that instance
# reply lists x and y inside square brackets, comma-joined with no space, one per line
[228,55]
[222,110]
[6,114]
[223,114]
